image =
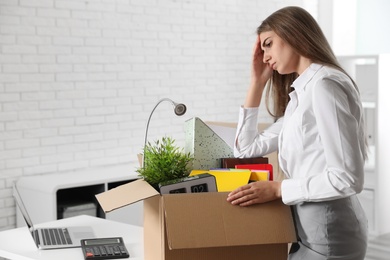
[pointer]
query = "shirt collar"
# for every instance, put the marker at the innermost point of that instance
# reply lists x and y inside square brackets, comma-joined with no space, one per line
[300,82]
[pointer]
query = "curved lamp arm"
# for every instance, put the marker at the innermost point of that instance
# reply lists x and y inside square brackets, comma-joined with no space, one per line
[179,109]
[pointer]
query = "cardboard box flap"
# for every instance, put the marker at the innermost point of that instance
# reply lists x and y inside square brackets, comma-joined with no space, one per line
[201,220]
[125,195]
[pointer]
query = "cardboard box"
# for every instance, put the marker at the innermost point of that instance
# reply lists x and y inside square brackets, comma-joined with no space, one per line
[204,225]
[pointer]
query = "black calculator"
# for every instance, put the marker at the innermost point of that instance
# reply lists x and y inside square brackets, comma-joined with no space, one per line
[104,248]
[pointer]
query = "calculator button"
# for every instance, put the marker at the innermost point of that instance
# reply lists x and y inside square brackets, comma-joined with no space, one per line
[89,255]
[110,251]
[96,251]
[123,250]
[117,251]
[103,251]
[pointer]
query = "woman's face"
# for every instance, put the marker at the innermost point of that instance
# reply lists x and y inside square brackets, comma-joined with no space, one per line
[278,54]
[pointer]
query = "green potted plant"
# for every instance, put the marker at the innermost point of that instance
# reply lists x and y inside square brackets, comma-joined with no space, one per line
[163,161]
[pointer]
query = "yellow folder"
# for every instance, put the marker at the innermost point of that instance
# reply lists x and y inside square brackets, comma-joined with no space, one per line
[259,175]
[227,180]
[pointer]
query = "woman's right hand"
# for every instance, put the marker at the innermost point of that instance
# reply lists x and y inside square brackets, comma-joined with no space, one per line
[261,73]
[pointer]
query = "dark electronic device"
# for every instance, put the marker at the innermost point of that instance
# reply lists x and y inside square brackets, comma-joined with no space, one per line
[104,248]
[194,184]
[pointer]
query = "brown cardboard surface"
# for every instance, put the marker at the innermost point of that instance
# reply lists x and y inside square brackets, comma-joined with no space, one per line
[153,229]
[207,220]
[156,245]
[255,252]
[125,194]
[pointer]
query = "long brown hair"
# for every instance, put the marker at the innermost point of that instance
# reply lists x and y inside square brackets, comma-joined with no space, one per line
[297,27]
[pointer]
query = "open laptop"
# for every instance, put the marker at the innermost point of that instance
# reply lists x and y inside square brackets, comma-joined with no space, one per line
[53,237]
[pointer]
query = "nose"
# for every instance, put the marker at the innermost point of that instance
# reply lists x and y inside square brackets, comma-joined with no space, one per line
[266,57]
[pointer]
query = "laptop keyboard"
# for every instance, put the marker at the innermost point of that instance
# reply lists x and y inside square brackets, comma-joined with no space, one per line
[56,236]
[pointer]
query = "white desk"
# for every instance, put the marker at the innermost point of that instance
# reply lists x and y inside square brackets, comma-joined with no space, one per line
[18,244]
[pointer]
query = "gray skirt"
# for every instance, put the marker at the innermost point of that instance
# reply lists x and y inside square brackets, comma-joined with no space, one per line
[334,229]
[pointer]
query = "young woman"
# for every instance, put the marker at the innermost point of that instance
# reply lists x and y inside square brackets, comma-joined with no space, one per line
[318,133]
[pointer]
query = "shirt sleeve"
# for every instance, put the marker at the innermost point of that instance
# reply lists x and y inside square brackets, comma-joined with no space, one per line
[337,114]
[249,141]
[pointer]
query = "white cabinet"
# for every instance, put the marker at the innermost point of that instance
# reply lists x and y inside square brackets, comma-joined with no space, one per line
[371,74]
[45,195]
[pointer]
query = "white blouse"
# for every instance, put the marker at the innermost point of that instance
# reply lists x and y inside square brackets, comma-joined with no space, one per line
[320,139]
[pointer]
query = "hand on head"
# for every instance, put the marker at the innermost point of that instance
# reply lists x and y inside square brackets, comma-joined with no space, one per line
[261,72]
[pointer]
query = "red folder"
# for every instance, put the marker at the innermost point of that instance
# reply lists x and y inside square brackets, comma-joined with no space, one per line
[266,167]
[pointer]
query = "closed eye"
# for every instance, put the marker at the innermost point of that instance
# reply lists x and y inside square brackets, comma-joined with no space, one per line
[267,43]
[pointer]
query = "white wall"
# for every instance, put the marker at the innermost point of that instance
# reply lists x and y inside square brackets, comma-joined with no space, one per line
[78,79]
[356,27]
[373,22]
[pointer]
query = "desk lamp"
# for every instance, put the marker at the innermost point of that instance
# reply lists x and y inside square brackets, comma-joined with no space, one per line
[179,109]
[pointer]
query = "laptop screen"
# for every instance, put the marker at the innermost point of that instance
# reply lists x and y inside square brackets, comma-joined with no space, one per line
[22,208]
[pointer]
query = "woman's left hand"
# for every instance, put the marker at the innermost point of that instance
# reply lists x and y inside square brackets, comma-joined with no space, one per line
[255,192]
